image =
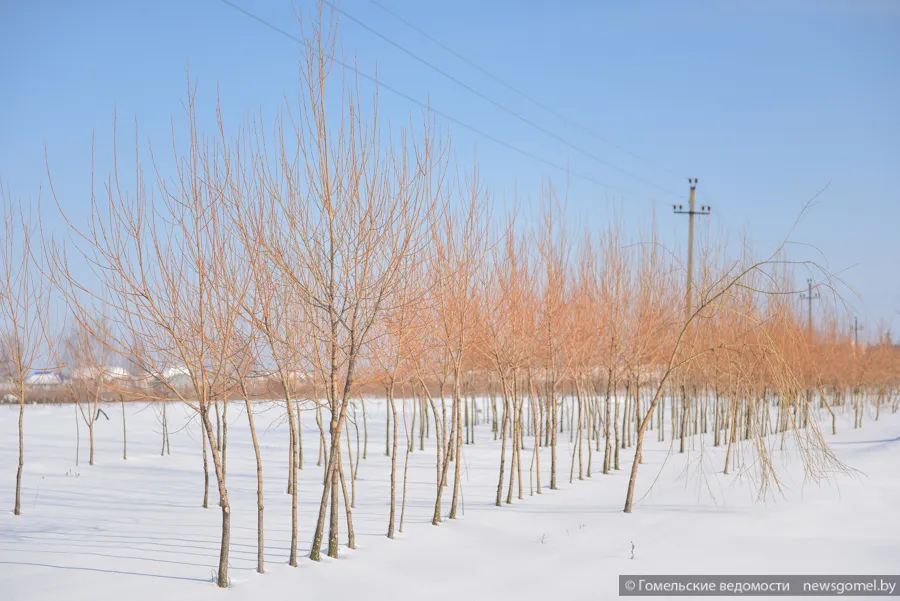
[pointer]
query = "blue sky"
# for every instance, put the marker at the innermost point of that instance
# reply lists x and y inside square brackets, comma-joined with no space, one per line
[765,102]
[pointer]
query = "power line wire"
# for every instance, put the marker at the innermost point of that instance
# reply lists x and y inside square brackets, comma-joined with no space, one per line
[520,92]
[441,114]
[499,105]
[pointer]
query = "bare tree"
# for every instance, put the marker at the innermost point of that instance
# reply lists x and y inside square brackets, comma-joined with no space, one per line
[460,244]
[84,355]
[349,217]
[23,306]
[160,260]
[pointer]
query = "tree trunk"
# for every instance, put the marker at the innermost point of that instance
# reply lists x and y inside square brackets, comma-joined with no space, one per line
[162,450]
[661,423]
[410,434]
[205,469]
[334,516]
[321,437]
[224,443]
[299,430]
[466,419]
[291,457]
[353,467]
[329,491]
[457,414]
[393,454]
[403,502]
[520,447]
[493,407]
[607,449]
[532,399]
[639,448]
[446,446]
[218,428]
[315,548]
[293,487]
[411,437]
[438,441]
[351,534]
[365,431]
[503,431]
[423,422]
[124,431]
[616,444]
[91,437]
[580,436]
[553,431]
[731,436]
[17,510]
[717,427]
[77,437]
[222,574]
[387,430]
[259,491]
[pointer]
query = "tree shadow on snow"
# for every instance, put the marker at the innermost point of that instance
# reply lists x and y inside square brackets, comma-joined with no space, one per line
[881,441]
[121,572]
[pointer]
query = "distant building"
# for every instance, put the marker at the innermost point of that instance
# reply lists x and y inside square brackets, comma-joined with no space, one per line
[177,377]
[108,373]
[114,372]
[43,377]
[274,375]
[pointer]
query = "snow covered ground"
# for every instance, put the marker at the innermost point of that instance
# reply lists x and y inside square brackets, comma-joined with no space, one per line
[135,529]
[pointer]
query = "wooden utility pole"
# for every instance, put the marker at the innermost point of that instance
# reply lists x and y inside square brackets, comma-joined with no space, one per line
[679,209]
[809,297]
[856,329]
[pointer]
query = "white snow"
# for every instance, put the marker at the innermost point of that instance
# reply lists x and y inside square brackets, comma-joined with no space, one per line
[135,530]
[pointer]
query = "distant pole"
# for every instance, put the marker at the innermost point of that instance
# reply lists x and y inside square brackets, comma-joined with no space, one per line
[809,296]
[679,210]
